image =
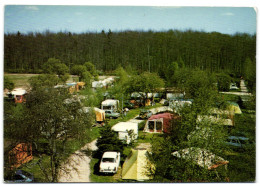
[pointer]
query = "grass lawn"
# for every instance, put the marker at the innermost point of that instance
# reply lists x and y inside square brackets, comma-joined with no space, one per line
[20,80]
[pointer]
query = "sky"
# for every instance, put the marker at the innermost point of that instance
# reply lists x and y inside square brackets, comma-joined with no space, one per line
[78,19]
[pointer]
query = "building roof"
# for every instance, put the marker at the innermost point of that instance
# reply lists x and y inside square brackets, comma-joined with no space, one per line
[18,91]
[109,102]
[163,115]
[123,126]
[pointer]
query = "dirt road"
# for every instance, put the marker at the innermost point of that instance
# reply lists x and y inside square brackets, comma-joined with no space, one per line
[76,168]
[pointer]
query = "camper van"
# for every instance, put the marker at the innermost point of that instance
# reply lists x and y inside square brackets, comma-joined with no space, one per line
[110,104]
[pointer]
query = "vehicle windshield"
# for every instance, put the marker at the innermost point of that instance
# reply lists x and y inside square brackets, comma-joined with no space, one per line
[108,160]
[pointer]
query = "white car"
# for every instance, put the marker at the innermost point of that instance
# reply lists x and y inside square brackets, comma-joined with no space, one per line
[110,162]
[233,86]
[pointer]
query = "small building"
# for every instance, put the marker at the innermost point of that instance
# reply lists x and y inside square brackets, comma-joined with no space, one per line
[20,154]
[161,123]
[110,104]
[127,131]
[19,95]
[202,157]
[137,165]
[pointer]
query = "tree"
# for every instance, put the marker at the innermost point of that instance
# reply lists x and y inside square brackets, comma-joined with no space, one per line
[250,74]
[8,84]
[224,81]
[108,141]
[47,117]
[78,70]
[43,81]
[90,68]
[144,83]
[170,72]
[54,66]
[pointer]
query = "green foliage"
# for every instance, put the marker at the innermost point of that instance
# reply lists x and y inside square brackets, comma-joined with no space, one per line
[146,82]
[78,70]
[90,68]
[46,116]
[43,81]
[55,66]
[8,84]
[214,52]
[250,74]
[224,81]
[170,72]
[108,141]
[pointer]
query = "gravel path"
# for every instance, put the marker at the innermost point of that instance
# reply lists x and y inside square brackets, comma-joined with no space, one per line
[76,168]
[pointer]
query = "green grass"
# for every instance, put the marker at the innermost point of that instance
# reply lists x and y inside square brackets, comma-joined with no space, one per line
[33,168]
[95,176]
[20,80]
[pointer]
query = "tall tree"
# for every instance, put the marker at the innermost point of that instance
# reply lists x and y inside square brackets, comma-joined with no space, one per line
[47,117]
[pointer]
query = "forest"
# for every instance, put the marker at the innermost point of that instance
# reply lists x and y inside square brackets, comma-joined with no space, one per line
[139,50]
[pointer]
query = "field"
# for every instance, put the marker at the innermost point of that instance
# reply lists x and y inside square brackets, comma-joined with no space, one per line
[22,80]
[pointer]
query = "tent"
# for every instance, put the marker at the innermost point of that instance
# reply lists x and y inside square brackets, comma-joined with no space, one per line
[19,94]
[136,166]
[234,107]
[100,114]
[202,157]
[160,123]
[215,120]
[123,129]
[218,116]
[20,154]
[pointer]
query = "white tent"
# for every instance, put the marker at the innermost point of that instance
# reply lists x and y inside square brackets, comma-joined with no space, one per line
[18,92]
[97,84]
[123,129]
[202,157]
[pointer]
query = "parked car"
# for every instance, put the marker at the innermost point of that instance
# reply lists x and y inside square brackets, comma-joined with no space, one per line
[145,114]
[237,141]
[233,86]
[111,114]
[128,105]
[110,162]
[20,176]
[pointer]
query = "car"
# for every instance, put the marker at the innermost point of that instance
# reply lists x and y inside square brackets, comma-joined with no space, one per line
[233,86]
[145,114]
[237,141]
[111,114]
[20,176]
[128,105]
[110,162]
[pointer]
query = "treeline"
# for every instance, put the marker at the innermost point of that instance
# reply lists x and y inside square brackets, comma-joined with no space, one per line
[139,50]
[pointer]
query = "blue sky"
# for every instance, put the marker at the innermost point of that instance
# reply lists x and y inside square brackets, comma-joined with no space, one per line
[78,19]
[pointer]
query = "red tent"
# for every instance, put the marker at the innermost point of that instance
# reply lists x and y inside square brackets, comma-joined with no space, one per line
[160,123]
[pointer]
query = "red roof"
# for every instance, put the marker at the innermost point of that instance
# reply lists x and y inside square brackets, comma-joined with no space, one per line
[167,117]
[163,115]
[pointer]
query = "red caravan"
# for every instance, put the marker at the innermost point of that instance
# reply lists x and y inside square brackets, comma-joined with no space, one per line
[161,123]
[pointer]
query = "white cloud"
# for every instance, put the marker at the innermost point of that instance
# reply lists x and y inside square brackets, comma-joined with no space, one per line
[34,8]
[228,14]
